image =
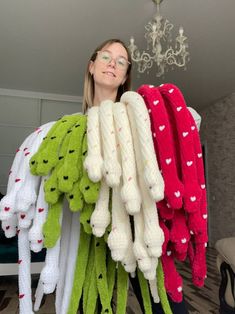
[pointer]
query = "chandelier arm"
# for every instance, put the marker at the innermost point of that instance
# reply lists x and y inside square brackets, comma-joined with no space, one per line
[170,57]
[167,28]
[145,57]
[144,62]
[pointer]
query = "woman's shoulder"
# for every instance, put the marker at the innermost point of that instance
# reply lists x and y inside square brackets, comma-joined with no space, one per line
[196,117]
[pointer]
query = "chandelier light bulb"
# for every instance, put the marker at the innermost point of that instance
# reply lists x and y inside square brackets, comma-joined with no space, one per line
[132,40]
[158,37]
[181,30]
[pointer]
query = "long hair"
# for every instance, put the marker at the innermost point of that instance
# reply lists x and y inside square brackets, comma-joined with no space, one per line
[88,91]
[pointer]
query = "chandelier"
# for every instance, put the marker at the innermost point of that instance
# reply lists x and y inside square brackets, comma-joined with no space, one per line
[158,36]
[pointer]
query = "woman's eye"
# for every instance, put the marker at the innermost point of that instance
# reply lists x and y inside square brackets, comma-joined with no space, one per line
[105,57]
[121,62]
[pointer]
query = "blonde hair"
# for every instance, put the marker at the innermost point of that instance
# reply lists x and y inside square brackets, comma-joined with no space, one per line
[88,90]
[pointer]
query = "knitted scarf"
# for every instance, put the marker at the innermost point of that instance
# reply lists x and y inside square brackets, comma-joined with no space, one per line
[182,169]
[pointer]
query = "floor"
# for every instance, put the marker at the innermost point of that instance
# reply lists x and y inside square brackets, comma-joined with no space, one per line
[202,300]
[199,301]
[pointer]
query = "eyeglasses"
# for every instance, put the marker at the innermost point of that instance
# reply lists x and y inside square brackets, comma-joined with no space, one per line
[106,57]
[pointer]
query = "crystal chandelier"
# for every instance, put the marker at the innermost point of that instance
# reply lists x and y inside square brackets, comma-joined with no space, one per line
[158,36]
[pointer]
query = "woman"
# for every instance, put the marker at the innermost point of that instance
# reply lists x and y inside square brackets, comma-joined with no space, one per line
[108,76]
[108,73]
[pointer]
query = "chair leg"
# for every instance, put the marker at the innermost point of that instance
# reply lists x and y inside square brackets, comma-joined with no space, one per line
[225,269]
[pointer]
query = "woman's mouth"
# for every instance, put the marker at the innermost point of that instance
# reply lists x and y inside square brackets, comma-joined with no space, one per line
[109,73]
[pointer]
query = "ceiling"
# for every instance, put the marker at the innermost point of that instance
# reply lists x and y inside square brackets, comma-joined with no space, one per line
[45,45]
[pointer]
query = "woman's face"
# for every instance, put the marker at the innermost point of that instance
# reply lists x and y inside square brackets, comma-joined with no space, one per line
[107,69]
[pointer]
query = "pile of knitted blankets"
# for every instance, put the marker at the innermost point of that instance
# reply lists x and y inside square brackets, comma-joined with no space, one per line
[119,190]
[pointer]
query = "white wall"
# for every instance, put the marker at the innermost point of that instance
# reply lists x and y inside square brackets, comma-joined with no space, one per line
[20,113]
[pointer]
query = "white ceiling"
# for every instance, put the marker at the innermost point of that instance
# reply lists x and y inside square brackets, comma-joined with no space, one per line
[45,44]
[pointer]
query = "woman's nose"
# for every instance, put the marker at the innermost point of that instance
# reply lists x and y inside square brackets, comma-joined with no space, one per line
[112,63]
